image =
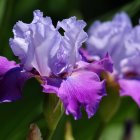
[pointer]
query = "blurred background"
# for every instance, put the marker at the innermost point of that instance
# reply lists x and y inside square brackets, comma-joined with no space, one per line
[117,119]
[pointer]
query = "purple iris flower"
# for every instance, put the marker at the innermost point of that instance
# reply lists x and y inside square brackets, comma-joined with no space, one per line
[56,61]
[122,42]
[108,37]
[130,66]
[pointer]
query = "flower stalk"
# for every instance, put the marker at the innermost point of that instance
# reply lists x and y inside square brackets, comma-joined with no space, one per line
[53,112]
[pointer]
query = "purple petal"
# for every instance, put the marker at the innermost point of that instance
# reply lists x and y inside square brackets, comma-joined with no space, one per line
[105,64]
[12,79]
[130,88]
[11,84]
[86,57]
[6,65]
[75,93]
[52,85]
[99,66]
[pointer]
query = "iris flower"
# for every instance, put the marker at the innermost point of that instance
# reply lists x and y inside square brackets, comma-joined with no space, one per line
[122,41]
[55,60]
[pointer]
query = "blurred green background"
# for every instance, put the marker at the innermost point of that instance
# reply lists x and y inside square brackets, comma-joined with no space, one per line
[115,115]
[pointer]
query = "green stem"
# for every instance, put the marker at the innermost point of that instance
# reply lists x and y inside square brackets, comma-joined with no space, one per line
[99,131]
[53,112]
[49,135]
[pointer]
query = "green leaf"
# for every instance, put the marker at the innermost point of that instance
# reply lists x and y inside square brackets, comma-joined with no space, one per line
[2,8]
[16,117]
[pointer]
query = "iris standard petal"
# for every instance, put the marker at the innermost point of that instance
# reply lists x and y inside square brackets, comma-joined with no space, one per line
[36,43]
[73,38]
[109,37]
[44,46]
